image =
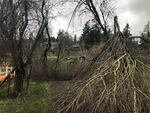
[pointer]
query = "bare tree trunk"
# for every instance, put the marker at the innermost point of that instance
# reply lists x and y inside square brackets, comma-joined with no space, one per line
[29,76]
[14,27]
[20,74]
[19,81]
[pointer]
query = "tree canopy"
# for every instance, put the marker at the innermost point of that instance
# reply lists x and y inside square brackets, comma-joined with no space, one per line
[91,34]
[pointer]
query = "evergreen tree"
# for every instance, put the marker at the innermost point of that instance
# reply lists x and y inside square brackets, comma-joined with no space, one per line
[75,38]
[126,31]
[146,32]
[91,34]
[65,39]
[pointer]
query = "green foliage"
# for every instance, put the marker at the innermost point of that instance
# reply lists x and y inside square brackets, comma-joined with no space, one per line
[91,34]
[126,31]
[37,100]
[146,33]
[65,39]
[50,55]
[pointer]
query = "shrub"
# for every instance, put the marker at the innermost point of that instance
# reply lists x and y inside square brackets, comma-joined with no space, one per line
[37,100]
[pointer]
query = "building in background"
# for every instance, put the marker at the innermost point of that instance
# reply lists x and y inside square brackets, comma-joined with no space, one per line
[136,39]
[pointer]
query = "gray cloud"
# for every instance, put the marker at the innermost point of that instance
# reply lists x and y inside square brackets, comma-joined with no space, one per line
[140,7]
[135,12]
[141,10]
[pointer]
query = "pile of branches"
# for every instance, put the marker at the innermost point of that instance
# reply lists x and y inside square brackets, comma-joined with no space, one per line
[113,82]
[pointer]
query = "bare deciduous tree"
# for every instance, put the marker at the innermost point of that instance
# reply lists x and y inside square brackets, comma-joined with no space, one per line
[18,19]
[102,11]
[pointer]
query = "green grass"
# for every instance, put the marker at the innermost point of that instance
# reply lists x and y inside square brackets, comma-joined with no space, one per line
[50,55]
[37,100]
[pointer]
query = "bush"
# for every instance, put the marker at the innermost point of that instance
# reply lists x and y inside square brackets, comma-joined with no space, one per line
[37,100]
[66,69]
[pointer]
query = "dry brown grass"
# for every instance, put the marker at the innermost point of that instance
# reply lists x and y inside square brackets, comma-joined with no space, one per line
[66,69]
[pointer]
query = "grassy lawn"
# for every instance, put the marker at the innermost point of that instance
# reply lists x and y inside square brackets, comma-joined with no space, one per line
[50,55]
[37,100]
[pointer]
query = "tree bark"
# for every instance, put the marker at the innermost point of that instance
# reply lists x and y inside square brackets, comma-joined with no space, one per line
[19,81]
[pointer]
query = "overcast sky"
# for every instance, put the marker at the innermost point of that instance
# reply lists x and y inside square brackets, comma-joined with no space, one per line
[134,12]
